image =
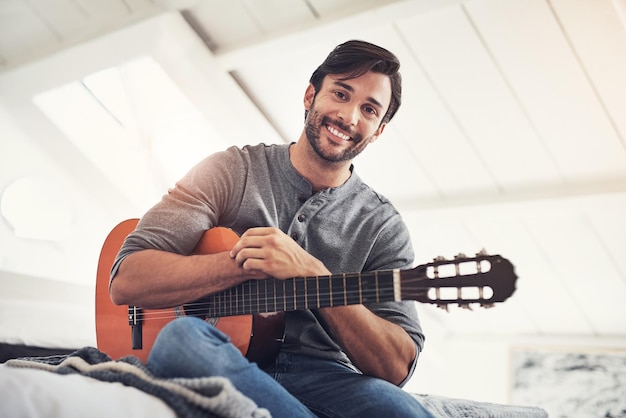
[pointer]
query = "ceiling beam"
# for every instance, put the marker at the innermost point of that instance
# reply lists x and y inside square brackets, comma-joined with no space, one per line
[231,57]
[584,194]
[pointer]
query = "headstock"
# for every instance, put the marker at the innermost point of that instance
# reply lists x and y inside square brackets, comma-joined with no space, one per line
[482,279]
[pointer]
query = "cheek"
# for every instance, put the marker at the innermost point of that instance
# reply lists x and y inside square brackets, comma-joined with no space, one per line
[373,131]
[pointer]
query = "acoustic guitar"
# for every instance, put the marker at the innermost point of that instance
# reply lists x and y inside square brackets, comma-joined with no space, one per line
[252,313]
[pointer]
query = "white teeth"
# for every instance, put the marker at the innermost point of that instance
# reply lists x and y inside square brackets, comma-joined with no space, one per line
[337,133]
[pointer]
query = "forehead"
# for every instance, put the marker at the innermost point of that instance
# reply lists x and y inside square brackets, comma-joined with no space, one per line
[370,86]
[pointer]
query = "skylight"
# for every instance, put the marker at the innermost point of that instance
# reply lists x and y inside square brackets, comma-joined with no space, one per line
[134,124]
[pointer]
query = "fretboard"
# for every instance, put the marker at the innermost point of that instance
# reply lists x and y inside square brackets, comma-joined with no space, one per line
[272,295]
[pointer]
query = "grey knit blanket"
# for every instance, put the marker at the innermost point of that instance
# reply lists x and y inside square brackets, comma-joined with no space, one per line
[198,397]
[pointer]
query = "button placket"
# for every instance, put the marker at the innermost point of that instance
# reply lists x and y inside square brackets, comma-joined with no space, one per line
[300,222]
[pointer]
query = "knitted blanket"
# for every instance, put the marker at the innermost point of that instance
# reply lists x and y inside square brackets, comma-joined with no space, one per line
[198,397]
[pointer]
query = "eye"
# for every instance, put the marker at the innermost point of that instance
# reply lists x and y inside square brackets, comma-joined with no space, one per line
[370,110]
[341,95]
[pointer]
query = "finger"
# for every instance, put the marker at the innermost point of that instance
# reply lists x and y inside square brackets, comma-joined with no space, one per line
[259,231]
[245,242]
[248,254]
[258,238]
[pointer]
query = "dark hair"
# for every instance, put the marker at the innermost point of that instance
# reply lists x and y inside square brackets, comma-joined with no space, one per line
[355,58]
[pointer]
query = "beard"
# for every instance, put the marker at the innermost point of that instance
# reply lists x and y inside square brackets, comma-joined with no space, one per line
[315,123]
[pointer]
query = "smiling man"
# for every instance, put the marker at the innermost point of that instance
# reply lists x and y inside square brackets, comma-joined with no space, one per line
[301,211]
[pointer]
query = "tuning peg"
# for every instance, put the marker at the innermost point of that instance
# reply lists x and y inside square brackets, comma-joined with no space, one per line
[487,305]
[482,252]
[444,307]
[439,258]
[465,306]
[460,255]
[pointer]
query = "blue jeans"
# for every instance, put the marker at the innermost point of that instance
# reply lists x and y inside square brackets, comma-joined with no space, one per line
[295,386]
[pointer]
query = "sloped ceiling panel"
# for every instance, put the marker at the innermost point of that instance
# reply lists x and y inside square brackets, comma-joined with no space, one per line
[546,74]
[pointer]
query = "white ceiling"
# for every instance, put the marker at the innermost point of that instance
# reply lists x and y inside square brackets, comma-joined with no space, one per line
[511,136]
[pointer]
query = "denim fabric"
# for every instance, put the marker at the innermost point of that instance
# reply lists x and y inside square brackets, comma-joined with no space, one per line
[189,347]
[331,389]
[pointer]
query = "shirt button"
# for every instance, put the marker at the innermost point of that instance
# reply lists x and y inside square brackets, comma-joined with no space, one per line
[301,217]
[295,236]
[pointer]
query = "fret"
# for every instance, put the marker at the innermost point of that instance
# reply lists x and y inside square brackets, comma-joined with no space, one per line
[324,292]
[209,304]
[345,289]
[240,293]
[236,298]
[377,293]
[312,292]
[279,292]
[306,299]
[232,308]
[385,286]
[221,298]
[289,287]
[317,288]
[217,301]
[337,290]
[228,302]
[353,289]
[252,306]
[244,298]
[261,291]
[270,289]
[369,288]
[299,289]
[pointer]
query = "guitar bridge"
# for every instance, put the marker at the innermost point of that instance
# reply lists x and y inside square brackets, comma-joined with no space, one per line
[134,320]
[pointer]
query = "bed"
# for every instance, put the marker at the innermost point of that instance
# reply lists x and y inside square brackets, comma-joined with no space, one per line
[88,383]
[52,368]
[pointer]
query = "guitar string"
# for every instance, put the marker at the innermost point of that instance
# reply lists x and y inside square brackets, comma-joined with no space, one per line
[232,306]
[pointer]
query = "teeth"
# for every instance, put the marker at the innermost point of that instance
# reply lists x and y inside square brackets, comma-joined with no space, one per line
[337,133]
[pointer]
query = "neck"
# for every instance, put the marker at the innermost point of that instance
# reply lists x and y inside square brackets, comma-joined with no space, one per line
[320,173]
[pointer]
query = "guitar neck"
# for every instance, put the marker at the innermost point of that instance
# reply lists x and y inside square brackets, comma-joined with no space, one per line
[299,293]
[484,279]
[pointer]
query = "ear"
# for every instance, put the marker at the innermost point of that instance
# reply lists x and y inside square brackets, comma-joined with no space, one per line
[378,132]
[309,95]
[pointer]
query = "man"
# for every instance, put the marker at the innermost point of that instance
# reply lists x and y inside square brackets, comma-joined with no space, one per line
[301,210]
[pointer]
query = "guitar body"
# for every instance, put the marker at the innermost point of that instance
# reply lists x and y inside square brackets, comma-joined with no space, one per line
[257,336]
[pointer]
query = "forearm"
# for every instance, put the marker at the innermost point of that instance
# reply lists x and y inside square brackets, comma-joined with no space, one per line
[158,279]
[376,346]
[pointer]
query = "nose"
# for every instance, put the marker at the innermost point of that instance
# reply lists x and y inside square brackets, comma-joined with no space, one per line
[349,114]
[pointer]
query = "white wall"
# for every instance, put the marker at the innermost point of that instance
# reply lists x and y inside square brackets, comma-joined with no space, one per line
[480,368]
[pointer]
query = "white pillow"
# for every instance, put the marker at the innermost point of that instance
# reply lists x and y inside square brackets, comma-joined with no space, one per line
[33,393]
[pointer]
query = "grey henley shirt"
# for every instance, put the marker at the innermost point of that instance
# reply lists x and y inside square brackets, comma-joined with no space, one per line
[349,228]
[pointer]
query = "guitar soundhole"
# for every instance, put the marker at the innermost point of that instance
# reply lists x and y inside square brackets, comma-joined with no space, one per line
[196,309]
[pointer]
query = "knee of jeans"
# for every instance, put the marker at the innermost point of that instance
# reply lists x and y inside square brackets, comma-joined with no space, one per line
[189,330]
